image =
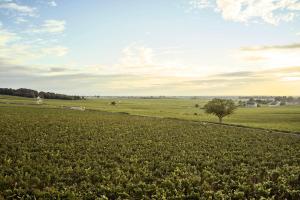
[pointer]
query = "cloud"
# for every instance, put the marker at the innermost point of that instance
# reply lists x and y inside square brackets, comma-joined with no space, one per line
[140,59]
[50,26]
[261,82]
[66,80]
[20,20]
[269,11]
[15,48]
[55,50]
[22,46]
[254,58]
[272,47]
[135,55]
[283,81]
[269,56]
[290,74]
[275,72]
[54,26]
[21,9]
[200,4]
[52,3]
[22,53]
[137,59]
[240,74]
[291,78]
[57,69]
[6,37]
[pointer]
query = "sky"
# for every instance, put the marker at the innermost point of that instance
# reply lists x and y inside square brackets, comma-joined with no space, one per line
[157,47]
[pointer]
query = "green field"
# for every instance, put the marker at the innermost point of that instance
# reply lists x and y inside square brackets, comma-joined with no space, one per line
[48,153]
[285,118]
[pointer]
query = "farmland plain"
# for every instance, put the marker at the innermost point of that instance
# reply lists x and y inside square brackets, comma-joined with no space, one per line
[50,153]
[284,118]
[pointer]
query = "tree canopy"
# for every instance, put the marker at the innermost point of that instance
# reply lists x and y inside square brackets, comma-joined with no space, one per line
[220,108]
[24,92]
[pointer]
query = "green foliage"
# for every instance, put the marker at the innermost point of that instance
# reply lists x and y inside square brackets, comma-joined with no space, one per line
[66,154]
[286,118]
[220,108]
[23,92]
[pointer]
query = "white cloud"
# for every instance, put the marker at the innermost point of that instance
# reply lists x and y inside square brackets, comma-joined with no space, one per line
[291,78]
[50,26]
[6,36]
[54,26]
[52,3]
[291,46]
[269,11]
[16,48]
[142,60]
[21,48]
[55,51]
[283,81]
[270,56]
[20,20]
[135,55]
[20,53]
[246,10]
[199,4]
[21,9]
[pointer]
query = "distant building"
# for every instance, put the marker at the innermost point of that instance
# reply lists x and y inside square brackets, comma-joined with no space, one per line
[274,104]
[78,108]
[39,100]
[251,104]
[291,103]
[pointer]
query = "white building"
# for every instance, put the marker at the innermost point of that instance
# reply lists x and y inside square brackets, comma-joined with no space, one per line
[274,104]
[39,100]
[250,104]
[291,103]
[78,108]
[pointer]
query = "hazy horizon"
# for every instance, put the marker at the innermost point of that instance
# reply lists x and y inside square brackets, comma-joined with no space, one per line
[151,48]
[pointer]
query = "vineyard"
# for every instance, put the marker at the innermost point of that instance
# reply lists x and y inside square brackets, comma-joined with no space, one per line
[48,153]
[283,118]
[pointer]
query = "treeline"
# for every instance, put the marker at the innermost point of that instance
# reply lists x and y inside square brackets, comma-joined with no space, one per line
[282,99]
[23,92]
[289,99]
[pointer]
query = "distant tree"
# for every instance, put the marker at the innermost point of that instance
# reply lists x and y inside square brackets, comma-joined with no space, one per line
[113,103]
[283,98]
[196,105]
[220,108]
[241,103]
[24,92]
[290,99]
[251,99]
[6,91]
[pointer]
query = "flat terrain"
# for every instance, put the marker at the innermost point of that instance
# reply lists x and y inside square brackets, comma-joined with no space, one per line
[54,153]
[285,118]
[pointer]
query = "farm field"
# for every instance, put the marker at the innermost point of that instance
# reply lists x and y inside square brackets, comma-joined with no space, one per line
[65,154]
[285,118]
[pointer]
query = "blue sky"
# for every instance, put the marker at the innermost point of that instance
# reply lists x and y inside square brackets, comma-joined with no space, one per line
[157,47]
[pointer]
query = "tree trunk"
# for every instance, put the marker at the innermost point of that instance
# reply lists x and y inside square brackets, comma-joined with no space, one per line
[220,120]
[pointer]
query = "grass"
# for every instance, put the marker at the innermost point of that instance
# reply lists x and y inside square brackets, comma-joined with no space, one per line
[50,153]
[285,118]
